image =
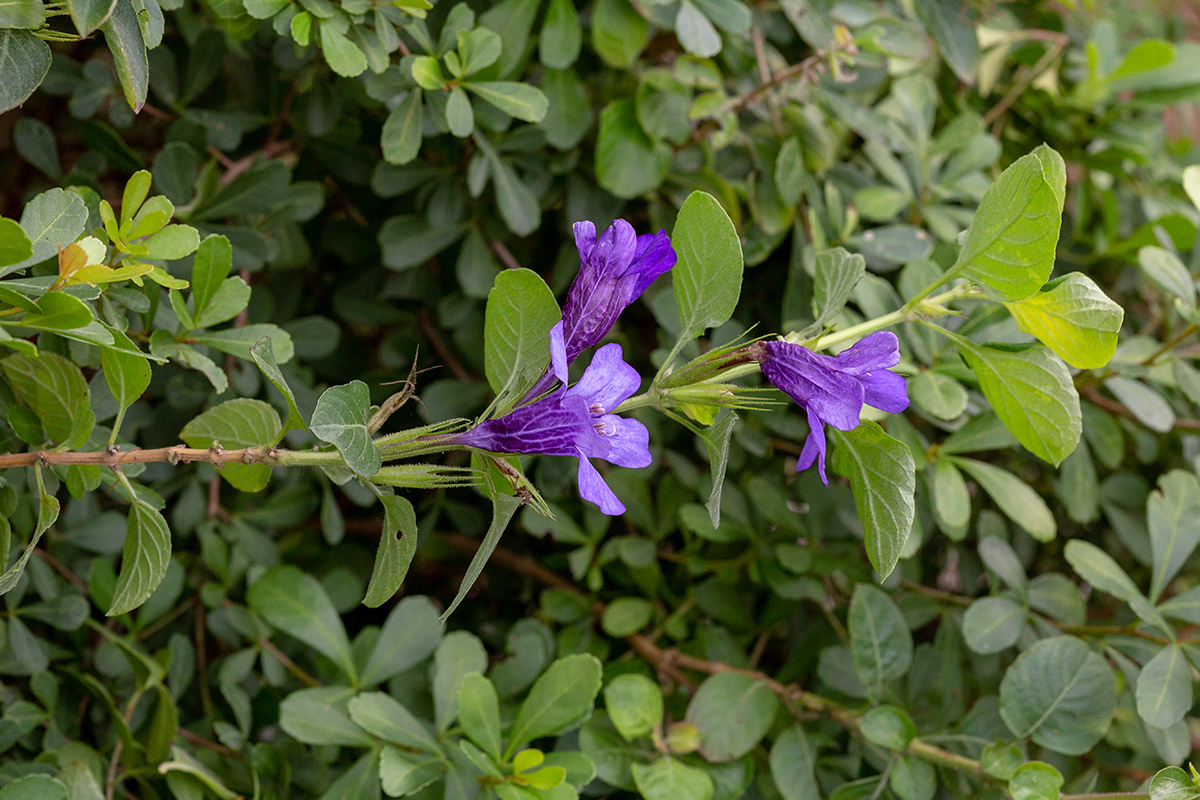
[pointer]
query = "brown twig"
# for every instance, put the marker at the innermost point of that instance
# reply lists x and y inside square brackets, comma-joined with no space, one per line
[1057,44]
[61,569]
[506,255]
[1094,396]
[208,744]
[439,346]
[115,458]
[288,664]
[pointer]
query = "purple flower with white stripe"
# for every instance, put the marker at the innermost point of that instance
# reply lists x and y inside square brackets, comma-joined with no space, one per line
[575,421]
[833,389]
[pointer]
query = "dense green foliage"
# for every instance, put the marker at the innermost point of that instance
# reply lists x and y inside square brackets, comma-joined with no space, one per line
[291,243]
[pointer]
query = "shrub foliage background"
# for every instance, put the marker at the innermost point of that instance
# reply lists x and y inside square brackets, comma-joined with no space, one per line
[350,180]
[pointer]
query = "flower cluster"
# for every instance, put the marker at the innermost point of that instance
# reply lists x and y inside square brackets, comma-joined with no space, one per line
[615,268]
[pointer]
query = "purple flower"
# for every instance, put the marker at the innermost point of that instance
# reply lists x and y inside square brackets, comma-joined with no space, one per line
[833,389]
[615,268]
[575,422]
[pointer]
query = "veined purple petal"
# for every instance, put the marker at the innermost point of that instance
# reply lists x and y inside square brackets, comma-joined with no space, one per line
[815,383]
[653,257]
[629,441]
[876,351]
[558,354]
[585,239]
[884,390]
[607,381]
[553,426]
[814,447]
[593,488]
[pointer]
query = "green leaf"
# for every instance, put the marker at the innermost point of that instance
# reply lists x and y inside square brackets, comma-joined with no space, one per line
[124,37]
[237,423]
[231,297]
[144,563]
[52,219]
[88,15]
[1035,780]
[731,16]
[459,654]
[708,274]
[238,341]
[410,635]
[30,14]
[34,787]
[402,773]
[1167,272]
[999,556]
[628,163]
[518,100]
[879,638]
[626,616]
[24,62]
[410,240]
[263,354]
[401,138]
[1191,184]
[210,269]
[343,56]
[952,24]
[503,508]
[513,20]
[1173,516]
[1146,404]
[58,311]
[54,389]
[1173,783]
[561,699]
[459,115]
[1060,694]
[1010,246]
[380,715]
[521,310]
[518,206]
[1014,497]
[47,513]
[716,439]
[619,33]
[427,73]
[479,713]
[297,604]
[561,37]
[1164,688]
[993,624]
[478,49]
[127,374]
[340,418]
[1074,318]
[793,766]
[913,779]
[695,32]
[882,474]
[172,242]
[888,726]
[1103,572]
[319,715]
[937,394]
[570,114]
[634,704]
[14,244]
[397,546]
[670,779]
[1032,392]
[951,500]
[733,713]
[838,272]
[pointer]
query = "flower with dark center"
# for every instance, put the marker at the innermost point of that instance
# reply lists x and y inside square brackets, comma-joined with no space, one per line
[575,421]
[833,389]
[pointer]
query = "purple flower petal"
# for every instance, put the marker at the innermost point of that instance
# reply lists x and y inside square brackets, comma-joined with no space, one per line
[558,354]
[607,381]
[653,257]
[629,442]
[585,239]
[814,447]
[551,426]
[815,383]
[885,390]
[593,488]
[879,350]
